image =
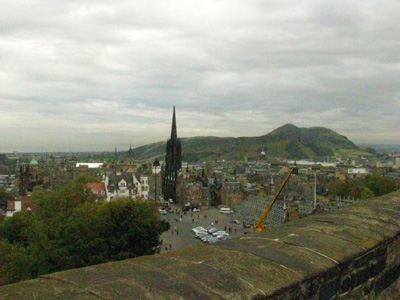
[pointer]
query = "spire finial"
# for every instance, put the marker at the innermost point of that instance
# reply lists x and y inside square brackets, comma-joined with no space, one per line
[174,134]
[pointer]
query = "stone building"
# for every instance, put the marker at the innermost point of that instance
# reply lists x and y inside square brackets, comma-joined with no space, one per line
[173,163]
[126,185]
[193,189]
[232,193]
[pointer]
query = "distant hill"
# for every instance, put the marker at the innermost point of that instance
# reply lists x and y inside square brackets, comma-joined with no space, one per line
[288,141]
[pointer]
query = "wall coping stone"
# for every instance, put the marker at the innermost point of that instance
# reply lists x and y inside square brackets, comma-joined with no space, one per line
[310,257]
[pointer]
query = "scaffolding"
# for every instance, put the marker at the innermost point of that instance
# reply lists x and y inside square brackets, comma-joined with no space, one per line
[249,211]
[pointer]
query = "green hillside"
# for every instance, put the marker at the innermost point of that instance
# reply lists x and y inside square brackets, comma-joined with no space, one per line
[288,141]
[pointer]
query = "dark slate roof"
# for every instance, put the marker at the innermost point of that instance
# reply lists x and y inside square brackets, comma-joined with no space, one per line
[114,179]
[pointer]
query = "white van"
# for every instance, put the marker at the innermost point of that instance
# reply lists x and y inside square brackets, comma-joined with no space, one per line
[224,210]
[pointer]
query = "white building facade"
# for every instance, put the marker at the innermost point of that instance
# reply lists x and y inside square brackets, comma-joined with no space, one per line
[126,186]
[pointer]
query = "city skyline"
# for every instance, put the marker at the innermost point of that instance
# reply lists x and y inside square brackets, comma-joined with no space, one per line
[84,76]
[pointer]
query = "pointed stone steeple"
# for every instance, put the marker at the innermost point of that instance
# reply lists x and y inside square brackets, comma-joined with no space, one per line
[173,163]
[174,134]
[130,152]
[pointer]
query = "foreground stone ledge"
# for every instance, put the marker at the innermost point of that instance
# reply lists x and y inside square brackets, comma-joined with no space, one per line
[353,253]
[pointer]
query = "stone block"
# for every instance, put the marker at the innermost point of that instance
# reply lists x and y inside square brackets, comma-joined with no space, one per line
[387,278]
[329,289]
[377,266]
[360,276]
[345,284]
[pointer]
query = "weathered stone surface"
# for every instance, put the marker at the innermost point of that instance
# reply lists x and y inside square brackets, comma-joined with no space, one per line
[350,254]
[390,293]
[42,289]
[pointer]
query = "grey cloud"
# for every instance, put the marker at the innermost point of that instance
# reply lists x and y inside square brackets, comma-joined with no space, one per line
[107,73]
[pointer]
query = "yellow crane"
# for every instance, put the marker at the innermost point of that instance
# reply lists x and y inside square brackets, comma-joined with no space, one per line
[261,223]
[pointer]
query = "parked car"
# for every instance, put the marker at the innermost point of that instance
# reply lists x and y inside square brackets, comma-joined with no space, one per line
[225,210]
[224,237]
[198,228]
[196,209]
[196,231]
[201,231]
[212,240]
[212,230]
[200,235]
[219,232]
[206,238]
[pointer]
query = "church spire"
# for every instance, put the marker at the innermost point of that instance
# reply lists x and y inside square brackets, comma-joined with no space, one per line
[173,163]
[174,134]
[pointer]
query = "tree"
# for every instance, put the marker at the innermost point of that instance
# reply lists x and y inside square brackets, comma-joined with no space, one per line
[362,188]
[86,178]
[367,193]
[66,229]
[58,204]
[380,185]
[16,229]
[110,231]
[14,262]
[4,196]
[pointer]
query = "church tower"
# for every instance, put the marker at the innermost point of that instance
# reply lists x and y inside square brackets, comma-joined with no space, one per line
[130,154]
[173,163]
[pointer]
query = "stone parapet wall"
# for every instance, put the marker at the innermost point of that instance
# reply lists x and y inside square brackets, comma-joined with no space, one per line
[353,253]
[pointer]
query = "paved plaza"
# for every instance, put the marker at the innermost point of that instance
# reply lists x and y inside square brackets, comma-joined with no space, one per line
[180,235]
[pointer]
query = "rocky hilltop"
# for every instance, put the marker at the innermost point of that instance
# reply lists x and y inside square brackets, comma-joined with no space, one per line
[288,141]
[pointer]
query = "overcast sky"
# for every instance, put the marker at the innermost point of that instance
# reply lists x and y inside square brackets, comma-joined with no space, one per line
[92,75]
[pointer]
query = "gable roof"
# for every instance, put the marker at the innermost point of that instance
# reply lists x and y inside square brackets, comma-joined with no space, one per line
[97,186]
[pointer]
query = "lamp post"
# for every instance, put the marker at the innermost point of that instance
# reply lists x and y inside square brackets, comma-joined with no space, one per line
[315,190]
